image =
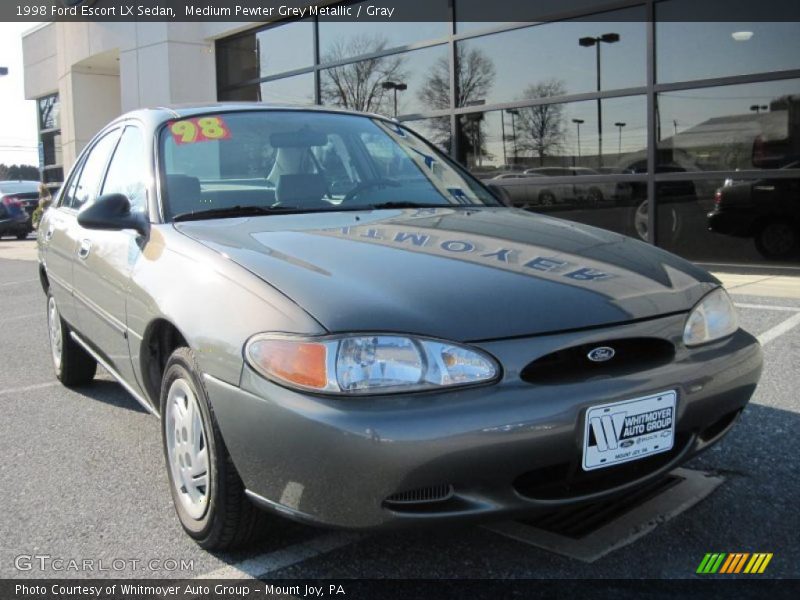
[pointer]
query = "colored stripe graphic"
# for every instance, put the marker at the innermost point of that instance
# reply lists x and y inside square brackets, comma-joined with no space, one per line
[735,562]
[758,563]
[711,562]
[724,563]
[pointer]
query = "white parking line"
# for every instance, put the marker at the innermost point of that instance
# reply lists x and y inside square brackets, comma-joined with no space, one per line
[28,388]
[17,282]
[779,329]
[767,307]
[285,557]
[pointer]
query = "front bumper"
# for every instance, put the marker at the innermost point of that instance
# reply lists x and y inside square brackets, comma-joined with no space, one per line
[500,450]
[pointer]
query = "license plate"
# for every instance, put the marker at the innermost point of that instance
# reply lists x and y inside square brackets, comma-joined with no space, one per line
[620,432]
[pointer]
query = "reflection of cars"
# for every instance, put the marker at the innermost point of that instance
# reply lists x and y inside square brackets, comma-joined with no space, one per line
[559,193]
[675,198]
[320,356]
[767,210]
[18,200]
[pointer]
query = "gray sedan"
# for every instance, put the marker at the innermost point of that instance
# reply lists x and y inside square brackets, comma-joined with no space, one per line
[338,324]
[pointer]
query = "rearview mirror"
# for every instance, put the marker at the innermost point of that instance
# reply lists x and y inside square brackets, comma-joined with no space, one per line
[112,212]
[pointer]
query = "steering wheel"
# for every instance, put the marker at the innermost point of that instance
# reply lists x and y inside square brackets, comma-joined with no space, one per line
[366,185]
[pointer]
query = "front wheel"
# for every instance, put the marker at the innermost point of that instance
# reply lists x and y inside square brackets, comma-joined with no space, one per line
[206,490]
[776,240]
[72,364]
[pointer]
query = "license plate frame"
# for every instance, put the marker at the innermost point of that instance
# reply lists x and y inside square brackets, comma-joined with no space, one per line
[627,430]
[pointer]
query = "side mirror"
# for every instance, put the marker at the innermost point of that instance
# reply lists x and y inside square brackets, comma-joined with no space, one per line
[112,212]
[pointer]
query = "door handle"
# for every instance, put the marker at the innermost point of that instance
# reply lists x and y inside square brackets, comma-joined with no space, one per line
[84,249]
[48,235]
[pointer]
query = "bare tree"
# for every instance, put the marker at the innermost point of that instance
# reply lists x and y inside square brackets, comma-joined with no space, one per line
[475,76]
[357,85]
[541,127]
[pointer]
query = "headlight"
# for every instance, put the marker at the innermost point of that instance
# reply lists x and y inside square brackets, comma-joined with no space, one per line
[367,364]
[713,318]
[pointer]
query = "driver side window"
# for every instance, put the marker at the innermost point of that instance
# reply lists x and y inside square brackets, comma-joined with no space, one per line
[88,182]
[128,169]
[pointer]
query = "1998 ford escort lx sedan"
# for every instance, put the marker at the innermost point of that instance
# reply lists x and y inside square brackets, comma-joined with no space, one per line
[337,323]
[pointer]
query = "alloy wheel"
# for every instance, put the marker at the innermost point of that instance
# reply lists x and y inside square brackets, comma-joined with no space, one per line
[54,329]
[187,448]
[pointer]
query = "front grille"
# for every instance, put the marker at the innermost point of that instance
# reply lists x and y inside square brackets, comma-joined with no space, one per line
[569,480]
[572,365]
[578,522]
[434,493]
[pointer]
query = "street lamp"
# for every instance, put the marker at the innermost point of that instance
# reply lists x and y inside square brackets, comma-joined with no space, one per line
[397,87]
[757,108]
[588,42]
[514,113]
[619,124]
[578,124]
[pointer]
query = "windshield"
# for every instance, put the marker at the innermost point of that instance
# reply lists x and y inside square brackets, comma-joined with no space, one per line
[305,161]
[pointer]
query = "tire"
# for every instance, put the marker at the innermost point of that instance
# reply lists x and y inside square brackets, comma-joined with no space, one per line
[72,364]
[547,198]
[22,236]
[776,240]
[595,196]
[209,496]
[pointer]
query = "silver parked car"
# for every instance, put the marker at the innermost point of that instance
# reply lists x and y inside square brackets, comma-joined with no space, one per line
[338,324]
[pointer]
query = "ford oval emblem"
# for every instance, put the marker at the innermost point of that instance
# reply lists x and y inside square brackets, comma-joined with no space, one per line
[601,354]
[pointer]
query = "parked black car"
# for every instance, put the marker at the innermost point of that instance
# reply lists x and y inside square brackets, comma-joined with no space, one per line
[767,210]
[18,200]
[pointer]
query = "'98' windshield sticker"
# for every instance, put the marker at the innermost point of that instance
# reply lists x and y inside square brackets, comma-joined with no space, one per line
[201,129]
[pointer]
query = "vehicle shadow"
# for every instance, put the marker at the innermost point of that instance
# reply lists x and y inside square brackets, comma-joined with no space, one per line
[111,393]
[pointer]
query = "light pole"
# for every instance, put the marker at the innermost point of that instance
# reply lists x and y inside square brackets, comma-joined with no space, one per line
[619,124]
[578,124]
[757,108]
[397,87]
[588,42]
[513,112]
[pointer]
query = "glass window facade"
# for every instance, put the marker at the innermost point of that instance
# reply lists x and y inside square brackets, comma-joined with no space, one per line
[594,113]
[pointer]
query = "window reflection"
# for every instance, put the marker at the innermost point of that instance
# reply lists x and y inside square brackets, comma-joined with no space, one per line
[298,89]
[746,221]
[686,51]
[340,40]
[472,15]
[415,79]
[747,126]
[436,130]
[563,136]
[264,53]
[550,60]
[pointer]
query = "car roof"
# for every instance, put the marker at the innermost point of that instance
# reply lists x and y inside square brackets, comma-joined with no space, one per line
[156,116]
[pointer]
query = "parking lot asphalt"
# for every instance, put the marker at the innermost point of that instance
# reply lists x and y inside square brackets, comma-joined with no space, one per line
[82,477]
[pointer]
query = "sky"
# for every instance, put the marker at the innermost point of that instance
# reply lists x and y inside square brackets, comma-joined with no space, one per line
[18,135]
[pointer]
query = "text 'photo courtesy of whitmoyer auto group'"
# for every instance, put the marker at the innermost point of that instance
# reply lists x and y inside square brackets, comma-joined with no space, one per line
[399,299]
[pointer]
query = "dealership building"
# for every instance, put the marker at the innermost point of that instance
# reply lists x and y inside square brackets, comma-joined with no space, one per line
[611,113]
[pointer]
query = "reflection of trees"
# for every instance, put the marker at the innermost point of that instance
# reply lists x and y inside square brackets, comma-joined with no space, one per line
[357,85]
[541,128]
[475,76]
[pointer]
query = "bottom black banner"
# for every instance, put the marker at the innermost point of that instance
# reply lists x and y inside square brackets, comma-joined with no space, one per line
[391,589]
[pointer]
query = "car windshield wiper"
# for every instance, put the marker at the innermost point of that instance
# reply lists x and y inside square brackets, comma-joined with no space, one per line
[239,211]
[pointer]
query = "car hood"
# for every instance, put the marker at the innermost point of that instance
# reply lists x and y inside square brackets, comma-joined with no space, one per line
[460,274]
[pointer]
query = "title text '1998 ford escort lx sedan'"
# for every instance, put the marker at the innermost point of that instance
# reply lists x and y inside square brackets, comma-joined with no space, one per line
[337,323]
